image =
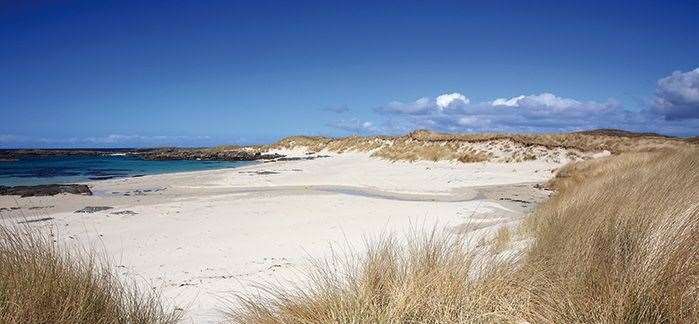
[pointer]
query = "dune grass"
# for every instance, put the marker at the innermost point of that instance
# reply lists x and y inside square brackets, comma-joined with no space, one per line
[469,148]
[420,279]
[621,237]
[616,244]
[41,283]
[581,141]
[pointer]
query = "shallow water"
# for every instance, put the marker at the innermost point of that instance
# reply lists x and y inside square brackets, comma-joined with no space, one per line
[70,169]
[461,195]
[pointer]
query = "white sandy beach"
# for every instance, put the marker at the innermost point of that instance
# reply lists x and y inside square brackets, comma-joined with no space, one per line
[199,237]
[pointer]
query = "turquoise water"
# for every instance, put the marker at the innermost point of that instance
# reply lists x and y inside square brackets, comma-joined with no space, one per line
[71,169]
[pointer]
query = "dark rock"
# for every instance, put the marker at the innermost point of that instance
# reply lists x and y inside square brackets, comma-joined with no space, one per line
[204,154]
[233,153]
[35,220]
[40,207]
[263,172]
[102,177]
[517,200]
[2,209]
[300,158]
[125,212]
[266,172]
[45,190]
[294,158]
[14,154]
[93,209]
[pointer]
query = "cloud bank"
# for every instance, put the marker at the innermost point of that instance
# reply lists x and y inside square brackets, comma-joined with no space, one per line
[677,96]
[537,112]
[674,109]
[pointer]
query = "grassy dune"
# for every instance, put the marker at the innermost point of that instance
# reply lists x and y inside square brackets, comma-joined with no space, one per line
[500,147]
[40,283]
[612,140]
[466,148]
[617,243]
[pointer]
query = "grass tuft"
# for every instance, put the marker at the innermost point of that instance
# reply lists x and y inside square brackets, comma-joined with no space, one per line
[40,283]
[421,279]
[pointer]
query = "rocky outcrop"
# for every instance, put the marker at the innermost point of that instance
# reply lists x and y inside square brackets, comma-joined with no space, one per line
[93,209]
[11,155]
[207,155]
[45,190]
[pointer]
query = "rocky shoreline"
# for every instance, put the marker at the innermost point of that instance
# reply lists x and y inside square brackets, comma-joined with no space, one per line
[45,190]
[11,155]
[158,154]
[207,154]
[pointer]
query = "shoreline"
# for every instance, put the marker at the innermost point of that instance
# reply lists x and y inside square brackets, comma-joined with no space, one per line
[77,170]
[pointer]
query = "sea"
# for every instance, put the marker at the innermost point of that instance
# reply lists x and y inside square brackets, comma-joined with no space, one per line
[73,169]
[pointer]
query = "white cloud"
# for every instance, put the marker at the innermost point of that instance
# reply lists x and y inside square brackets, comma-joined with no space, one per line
[425,105]
[681,87]
[446,100]
[546,99]
[512,102]
[677,95]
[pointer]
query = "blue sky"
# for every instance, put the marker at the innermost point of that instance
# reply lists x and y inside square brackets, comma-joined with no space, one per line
[147,73]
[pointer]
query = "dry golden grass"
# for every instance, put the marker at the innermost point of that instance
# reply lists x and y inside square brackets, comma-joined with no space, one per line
[501,240]
[624,230]
[421,280]
[338,145]
[582,141]
[411,150]
[39,283]
[467,148]
[616,244]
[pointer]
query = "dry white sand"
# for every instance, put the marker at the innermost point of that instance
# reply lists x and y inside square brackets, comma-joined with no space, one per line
[199,237]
